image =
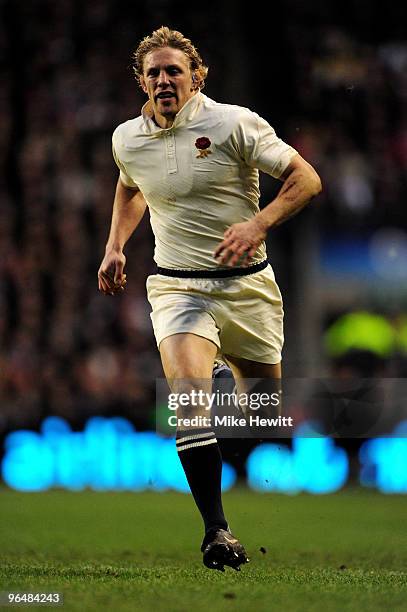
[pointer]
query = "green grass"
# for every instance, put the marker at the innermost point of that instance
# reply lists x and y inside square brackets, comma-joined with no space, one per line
[123,551]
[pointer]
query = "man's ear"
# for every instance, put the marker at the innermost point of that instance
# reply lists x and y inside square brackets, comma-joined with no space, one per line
[143,84]
[194,82]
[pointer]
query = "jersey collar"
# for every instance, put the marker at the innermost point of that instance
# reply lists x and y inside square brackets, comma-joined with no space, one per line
[187,112]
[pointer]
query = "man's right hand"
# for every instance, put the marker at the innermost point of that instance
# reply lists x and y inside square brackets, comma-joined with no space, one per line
[111,279]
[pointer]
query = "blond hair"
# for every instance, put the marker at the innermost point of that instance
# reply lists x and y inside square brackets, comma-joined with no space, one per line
[164,37]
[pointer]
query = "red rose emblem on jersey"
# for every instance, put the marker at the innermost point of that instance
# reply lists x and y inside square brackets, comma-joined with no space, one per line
[202,144]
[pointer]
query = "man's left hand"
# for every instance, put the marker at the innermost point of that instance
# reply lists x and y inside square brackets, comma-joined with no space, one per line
[240,243]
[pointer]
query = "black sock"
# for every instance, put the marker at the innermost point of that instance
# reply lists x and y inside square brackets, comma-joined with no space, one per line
[201,459]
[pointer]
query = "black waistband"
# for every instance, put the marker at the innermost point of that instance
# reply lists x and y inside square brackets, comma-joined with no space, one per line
[222,273]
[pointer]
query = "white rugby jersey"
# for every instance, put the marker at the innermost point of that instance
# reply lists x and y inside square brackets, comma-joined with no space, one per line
[199,176]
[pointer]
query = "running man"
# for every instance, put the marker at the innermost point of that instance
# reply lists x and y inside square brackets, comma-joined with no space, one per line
[195,163]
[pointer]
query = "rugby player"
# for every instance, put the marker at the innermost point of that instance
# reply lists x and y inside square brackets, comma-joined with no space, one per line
[195,164]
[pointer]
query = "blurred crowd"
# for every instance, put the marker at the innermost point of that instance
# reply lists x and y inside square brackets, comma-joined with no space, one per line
[66,349]
[353,97]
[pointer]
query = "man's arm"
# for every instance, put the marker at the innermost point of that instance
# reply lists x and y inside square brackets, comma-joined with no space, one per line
[301,184]
[128,209]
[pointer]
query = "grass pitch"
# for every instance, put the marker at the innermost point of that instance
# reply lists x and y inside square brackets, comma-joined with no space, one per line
[124,551]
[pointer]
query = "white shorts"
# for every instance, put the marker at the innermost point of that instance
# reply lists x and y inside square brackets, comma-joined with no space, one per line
[242,315]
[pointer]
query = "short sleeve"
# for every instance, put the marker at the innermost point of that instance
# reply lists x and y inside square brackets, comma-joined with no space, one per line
[261,148]
[124,177]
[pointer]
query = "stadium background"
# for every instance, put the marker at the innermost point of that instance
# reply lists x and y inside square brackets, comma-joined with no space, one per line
[330,78]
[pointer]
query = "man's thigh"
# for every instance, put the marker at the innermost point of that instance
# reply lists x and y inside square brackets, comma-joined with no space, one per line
[255,378]
[246,368]
[187,355]
[187,361]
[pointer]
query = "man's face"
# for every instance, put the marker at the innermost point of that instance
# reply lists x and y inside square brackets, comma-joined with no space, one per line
[167,79]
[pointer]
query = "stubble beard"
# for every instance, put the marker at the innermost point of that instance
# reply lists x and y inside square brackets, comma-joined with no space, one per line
[167,111]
